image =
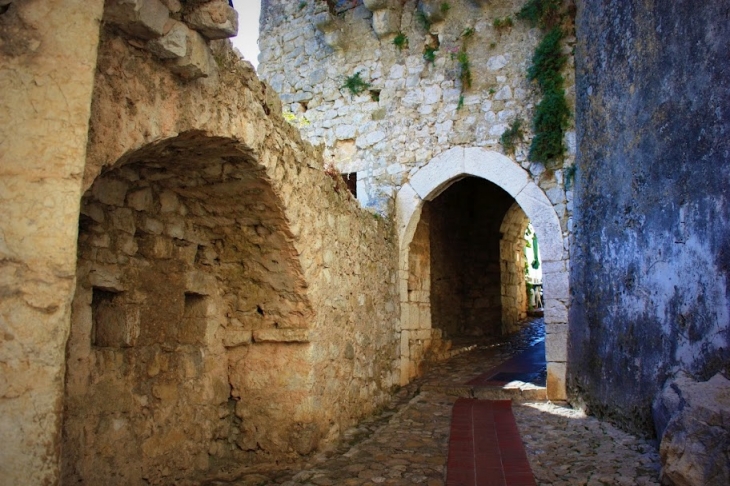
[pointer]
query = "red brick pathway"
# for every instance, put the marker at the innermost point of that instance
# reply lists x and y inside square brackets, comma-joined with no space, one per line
[485,448]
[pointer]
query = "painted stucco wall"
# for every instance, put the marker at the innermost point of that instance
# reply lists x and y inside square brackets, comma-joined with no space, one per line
[651,261]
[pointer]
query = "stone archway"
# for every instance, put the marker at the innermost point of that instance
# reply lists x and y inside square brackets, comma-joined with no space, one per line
[428,183]
[190,319]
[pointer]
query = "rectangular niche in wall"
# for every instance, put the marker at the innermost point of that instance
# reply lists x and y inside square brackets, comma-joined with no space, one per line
[194,319]
[115,323]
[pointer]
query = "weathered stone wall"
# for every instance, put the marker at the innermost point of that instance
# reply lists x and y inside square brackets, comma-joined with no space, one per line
[46,80]
[465,258]
[512,261]
[410,113]
[299,305]
[417,120]
[650,265]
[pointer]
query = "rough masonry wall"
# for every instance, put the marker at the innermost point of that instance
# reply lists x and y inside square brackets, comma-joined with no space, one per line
[650,270]
[46,80]
[411,111]
[465,259]
[512,260]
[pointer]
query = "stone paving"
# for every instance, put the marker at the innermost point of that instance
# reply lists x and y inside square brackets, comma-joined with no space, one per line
[408,442]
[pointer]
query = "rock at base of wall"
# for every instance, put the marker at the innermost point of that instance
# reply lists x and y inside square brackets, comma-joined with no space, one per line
[145,19]
[692,420]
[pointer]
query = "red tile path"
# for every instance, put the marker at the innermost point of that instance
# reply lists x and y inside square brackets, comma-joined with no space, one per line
[485,448]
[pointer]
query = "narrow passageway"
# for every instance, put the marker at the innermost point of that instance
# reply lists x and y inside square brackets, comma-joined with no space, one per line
[408,443]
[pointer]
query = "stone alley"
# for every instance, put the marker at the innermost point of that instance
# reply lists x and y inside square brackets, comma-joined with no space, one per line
[407,443]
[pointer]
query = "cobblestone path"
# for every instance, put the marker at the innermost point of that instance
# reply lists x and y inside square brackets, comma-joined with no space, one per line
[408,442]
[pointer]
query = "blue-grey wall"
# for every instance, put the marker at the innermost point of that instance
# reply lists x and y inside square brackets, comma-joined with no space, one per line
[650,262]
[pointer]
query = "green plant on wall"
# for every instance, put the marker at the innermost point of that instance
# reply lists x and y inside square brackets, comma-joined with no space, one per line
[429,54]
[445,7]
[502,23]
[511,136]
[400,41]
[552,114]
[423,20]
[355,84]
[465,70]
[542,13]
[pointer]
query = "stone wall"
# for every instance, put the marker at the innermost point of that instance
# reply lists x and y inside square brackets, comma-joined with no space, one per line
[252,277]
[414,117]
[46,80]
[512,262]
[233,304]
[466,272]
[650,262]
[411,112]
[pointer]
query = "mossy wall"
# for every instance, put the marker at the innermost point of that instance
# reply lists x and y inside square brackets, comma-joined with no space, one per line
[651,254]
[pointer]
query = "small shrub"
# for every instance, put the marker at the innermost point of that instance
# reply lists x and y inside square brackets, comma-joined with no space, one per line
[467,33]
[501,24]
[445,7]
[400,41]
[465,74]
[542,13]
[302,5]
[460,105]
[355,84]
[423,20]
[511,136]
[429,54]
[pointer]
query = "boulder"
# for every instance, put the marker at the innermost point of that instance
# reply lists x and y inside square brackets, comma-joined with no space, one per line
[692,421]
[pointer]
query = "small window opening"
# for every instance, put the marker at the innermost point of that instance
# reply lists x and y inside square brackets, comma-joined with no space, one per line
[351,182]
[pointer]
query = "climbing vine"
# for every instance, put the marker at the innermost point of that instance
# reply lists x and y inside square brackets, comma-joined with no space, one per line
[552,113]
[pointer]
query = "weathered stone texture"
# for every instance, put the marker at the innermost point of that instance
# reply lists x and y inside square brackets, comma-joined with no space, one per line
[46,80]
[650,266]
[691,420]
[224,281]
[416,114]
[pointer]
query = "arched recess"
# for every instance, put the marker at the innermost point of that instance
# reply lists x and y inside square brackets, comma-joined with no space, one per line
[190,319]
[428,183]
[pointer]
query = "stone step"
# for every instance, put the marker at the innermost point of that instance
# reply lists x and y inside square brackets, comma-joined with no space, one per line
[515,391]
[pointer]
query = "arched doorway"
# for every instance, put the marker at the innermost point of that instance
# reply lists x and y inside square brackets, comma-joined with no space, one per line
[425,186]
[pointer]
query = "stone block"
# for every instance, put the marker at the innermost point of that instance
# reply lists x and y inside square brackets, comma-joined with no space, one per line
[432,179]
[172,45]
[145,19]
[215,20]
[156,247]
[200,283]
[140,200]
[555,312]
[498,169]
[123,220]
[198,61]
[374,5]
[556,373]
[281,336]
[107,278]
[110,191]
[556,346]
[237,337]
[556,286]
[386,22]
[432,10]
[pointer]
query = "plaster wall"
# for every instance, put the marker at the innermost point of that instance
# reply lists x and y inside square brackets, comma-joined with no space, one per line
[650,259]
[46,80]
